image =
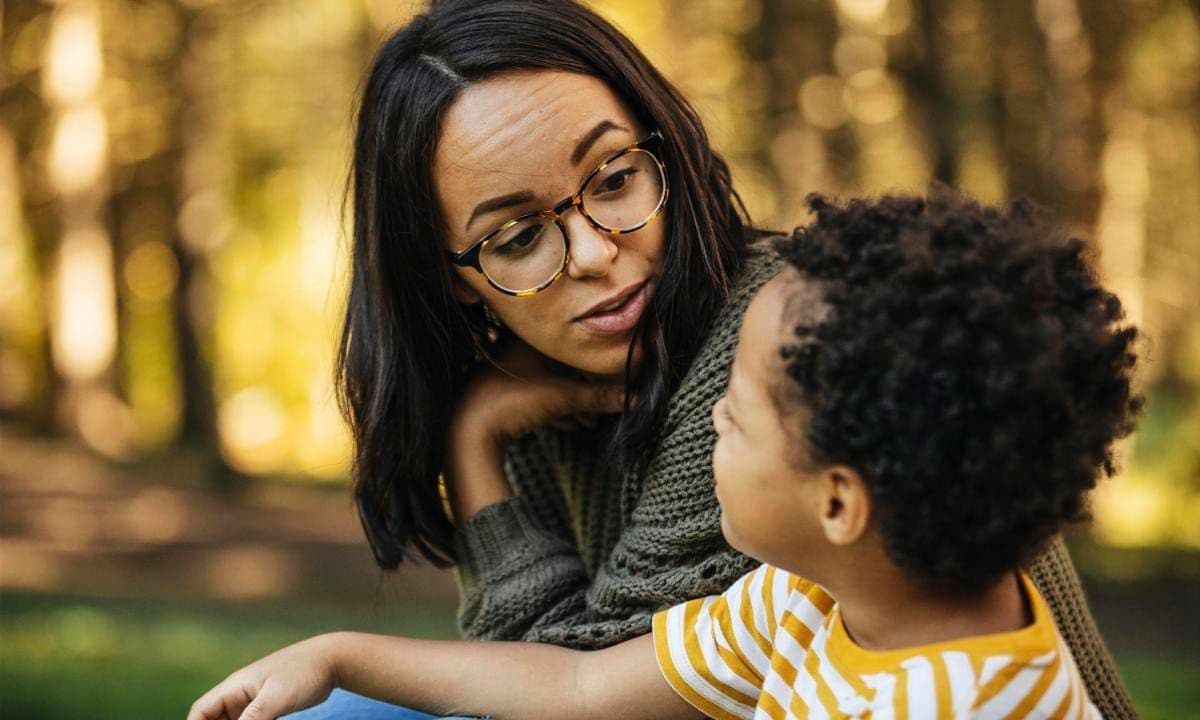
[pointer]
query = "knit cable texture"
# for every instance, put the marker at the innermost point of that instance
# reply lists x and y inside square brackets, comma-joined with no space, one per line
[583,557]
[1056,579]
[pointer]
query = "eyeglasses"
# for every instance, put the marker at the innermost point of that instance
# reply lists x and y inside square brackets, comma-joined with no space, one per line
[528,253]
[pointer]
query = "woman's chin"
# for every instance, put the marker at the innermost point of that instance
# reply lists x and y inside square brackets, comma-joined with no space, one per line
[609,362]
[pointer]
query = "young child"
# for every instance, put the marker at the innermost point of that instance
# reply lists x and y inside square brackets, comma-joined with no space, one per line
[916,405]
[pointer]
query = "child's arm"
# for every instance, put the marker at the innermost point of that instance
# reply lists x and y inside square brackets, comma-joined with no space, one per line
[504,680]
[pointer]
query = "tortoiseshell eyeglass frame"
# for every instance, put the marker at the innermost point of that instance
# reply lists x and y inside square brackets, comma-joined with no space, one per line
[470,257]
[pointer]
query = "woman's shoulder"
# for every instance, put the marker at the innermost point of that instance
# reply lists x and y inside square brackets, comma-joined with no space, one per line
[709,369]
[762,259]
[761,262]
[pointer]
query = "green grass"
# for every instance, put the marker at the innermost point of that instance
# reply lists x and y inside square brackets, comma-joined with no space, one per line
[1163,688]
[65,657]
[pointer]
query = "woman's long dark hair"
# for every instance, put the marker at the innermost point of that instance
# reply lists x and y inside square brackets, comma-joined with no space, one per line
[406,345]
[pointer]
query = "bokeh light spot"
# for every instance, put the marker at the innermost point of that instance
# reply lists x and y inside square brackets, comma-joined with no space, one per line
[151,271]
[821,101]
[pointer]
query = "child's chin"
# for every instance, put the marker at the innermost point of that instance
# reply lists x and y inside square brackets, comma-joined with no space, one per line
[737,542]
[731,537]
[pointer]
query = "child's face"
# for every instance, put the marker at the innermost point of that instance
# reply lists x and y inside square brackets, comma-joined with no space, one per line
[768,504]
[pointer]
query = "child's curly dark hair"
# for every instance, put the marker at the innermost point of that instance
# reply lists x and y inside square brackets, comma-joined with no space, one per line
[970,368]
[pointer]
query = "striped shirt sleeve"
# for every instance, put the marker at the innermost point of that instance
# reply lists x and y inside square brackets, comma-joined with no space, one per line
[715,651]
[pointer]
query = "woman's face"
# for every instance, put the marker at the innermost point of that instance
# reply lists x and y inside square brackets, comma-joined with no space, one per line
[521,142]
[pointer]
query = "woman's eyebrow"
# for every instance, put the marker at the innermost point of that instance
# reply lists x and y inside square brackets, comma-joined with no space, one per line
[499,203]
[587,141]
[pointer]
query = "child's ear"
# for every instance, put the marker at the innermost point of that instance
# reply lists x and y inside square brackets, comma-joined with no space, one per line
[846,505]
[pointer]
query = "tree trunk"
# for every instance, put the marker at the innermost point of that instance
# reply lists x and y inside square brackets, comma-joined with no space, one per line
[925,85]
[28,119]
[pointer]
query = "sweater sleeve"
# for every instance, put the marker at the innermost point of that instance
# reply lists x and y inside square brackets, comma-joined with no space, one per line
[517,561]
[1056,579]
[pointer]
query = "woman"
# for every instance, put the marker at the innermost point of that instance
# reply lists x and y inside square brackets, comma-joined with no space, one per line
[543,232]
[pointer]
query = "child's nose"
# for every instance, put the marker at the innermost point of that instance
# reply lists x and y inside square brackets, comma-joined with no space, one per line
[716,414]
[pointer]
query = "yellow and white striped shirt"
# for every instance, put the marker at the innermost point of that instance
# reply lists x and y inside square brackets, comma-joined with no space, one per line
[773,646]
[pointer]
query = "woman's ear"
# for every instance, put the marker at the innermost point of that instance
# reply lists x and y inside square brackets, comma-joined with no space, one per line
[463,293]
[846,505]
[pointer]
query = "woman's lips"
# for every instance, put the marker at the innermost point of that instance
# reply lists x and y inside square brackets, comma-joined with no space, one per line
[620,319]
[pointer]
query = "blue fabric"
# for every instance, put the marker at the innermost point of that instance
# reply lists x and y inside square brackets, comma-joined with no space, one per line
[342,705]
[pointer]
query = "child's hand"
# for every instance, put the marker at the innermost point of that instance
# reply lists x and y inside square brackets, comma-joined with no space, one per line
[291,679]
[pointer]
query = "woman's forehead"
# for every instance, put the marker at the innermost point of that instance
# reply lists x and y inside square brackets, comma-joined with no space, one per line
[515,130]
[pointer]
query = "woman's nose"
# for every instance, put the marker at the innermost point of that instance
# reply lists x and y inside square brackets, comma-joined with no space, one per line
[592,250]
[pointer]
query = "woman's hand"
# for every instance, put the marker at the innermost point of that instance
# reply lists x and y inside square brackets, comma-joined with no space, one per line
[521,393]
[506,401]
[291,679]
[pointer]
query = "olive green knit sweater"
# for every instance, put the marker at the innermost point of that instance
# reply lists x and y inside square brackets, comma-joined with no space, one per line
[583,557]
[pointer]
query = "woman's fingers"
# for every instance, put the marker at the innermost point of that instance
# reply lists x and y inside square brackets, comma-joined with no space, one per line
[523,393]
[563,398]
[598,399]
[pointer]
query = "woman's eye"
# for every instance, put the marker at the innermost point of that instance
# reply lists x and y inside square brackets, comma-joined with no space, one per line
[521,240]
[616,181]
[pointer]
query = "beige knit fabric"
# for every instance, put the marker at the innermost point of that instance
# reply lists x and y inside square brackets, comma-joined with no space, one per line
[583,557]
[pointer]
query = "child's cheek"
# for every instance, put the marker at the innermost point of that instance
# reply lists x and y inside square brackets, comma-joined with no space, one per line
[718,458]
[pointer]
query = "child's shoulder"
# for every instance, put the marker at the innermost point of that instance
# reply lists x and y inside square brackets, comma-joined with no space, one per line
[799,595]
[1028,672]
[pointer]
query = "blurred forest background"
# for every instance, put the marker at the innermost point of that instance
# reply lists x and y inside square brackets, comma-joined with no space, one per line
[173,469]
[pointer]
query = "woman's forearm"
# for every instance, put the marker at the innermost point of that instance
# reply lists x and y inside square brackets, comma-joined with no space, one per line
[506,679]
[474,473]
